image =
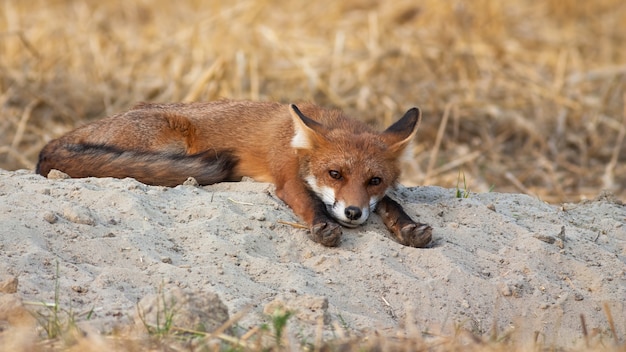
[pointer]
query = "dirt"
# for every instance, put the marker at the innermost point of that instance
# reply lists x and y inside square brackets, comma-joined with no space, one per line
[498,264]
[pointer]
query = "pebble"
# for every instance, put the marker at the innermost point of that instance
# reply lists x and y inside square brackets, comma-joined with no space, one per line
[578,297]
[505,289]
[55,174]
[189,310]
[79,289]
[50,217]
[191,182]
[79,215]
[9,284]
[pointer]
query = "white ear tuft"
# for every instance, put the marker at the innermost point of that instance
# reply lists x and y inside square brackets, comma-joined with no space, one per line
[407,152]
[302,127]
[300,139]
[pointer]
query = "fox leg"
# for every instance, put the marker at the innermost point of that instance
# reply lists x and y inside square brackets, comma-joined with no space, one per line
[312,210]
[324,230]
[405,231]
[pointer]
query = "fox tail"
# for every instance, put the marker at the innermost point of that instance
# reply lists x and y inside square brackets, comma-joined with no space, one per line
[164,169]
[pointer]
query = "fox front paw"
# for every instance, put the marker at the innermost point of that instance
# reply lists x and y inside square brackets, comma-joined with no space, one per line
[415,235]
[326,233]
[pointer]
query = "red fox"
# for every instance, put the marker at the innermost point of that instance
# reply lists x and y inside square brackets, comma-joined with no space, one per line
[330,169]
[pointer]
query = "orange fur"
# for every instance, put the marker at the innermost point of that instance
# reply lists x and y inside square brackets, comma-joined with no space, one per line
[326,167]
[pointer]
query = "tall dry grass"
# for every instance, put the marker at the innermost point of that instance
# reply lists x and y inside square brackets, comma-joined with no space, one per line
[518,95]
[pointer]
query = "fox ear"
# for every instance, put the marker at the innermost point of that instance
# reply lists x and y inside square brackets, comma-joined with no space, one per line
[306,130]
[399,135]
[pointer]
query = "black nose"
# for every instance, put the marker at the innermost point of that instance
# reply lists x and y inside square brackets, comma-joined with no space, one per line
[353,212]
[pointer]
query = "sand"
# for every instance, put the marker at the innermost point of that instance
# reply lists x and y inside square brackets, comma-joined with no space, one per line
[504,261]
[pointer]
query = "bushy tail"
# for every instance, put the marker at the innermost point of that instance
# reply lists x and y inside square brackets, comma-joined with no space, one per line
[84,160]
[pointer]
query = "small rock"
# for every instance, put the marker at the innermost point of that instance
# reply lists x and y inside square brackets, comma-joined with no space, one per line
[306,308]
[491,207]
[55,174]
[12,310]
[50,217]
[166,260]
[8,284]
[197,310]
[505,290]
[79,289]
[79,215]
[191,181]
[578,297]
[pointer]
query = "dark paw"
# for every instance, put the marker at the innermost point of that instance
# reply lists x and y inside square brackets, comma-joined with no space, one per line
[415,235]
[326,233]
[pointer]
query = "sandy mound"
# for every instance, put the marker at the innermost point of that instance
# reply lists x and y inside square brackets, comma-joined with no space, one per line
[503,259]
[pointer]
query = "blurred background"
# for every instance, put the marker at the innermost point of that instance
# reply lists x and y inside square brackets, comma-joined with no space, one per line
[517,96]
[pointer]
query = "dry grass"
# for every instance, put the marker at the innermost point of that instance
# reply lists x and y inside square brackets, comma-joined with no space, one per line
[522,96]
[277,336]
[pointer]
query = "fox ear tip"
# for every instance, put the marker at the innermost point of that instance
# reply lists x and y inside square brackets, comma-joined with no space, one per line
[415,110]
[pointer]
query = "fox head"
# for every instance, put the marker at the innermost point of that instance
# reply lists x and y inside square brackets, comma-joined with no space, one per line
[347,165]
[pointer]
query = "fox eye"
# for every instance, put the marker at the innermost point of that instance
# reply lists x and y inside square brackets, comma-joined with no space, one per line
[375,181]
[335,174]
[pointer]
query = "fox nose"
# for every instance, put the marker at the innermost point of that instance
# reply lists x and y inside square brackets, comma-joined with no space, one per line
[353,213]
